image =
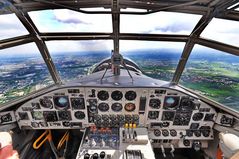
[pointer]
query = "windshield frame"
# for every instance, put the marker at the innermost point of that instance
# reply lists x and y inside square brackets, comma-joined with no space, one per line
[208,12]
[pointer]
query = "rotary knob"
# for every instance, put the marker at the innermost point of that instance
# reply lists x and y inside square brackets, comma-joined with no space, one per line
[102,154]
[87,156]
[95,156]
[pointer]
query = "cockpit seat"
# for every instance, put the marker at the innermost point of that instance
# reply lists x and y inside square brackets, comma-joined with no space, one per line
[229,144]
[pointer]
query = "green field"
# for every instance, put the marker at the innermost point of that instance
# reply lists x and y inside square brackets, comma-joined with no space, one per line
[220,81]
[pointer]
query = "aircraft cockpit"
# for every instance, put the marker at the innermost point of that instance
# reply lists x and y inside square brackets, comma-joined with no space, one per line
[119,79]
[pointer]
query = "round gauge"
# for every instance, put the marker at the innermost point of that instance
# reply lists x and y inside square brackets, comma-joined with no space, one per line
[93,108]
[153,114]
[189,133]
[103,107]
[116,107]
[129,107]
[130,95]
[186,143]
[165,132]
[79,115]
[113,117]
[46,102]
[157,132]
[154,103]
[37,115]
[103,95]
[61,102]
[186,103]
[205,130]
[64,115]
[97,117]
[120,118]
[173,133]
[171,102]
[78,103]
[198,116]
[116,95]
[105,117]
[197,133]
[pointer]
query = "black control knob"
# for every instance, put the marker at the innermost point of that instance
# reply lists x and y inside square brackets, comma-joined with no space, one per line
[186,143]
[87,156]
[197,145]
[95,156]
[102,154]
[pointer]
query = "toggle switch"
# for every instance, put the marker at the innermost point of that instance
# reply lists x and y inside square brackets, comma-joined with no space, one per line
[163,151]
[172,150]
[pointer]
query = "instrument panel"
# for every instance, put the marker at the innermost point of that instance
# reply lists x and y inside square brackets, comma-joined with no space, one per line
[168,114]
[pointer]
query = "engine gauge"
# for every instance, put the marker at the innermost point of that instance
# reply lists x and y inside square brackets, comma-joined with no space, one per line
[79,115]
[103,107]
[116,95]
[37,115]
[129,107]
[130,95]
[103,95]
[116,107]
[153,115]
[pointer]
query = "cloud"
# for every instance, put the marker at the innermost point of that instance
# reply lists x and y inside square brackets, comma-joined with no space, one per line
[74,21]
[24,50]
[175,28]
[130,45]
[68,17]
[226,31]
[79,46]
[162,22]
[70,21]
[63,20]
[10,26]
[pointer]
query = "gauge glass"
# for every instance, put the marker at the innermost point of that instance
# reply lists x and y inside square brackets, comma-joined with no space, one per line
[116,107]
[103,107]
[37,115]
[103,95]
[117,95]
[61,102]
[129,107]
[130,95]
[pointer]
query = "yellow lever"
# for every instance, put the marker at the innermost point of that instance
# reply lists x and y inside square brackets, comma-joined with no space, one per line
[42,139]
[64,139]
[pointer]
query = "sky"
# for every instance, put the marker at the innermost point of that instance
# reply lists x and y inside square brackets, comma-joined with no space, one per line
[71,21]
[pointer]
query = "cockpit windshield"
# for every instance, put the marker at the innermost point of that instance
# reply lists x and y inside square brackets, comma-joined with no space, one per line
[22,71]
[64,20]
[194,48]
[78,57]
[221,30]
[159,23]
[156,59]
[214,74]
[11,27]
